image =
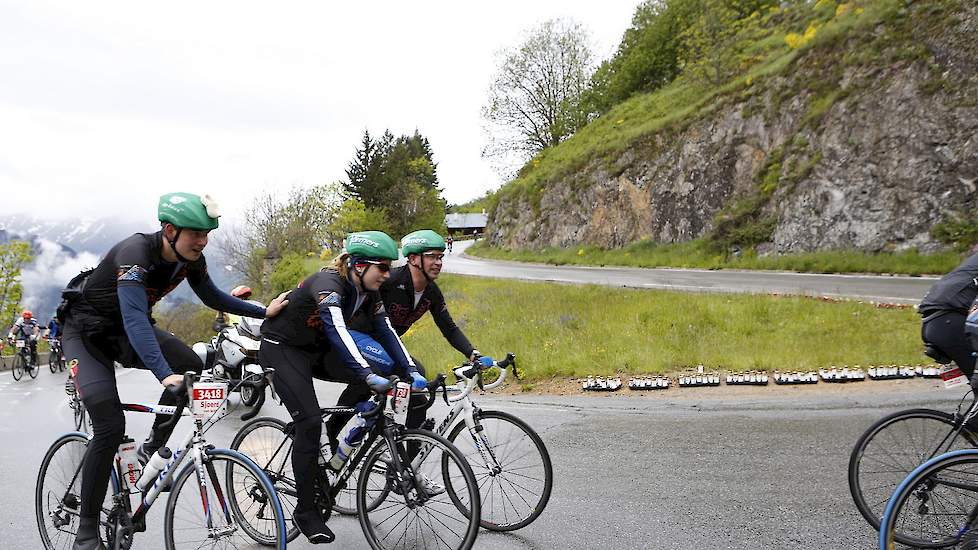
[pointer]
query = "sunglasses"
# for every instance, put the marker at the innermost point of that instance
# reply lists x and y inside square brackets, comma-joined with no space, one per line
[437,256]
[382,266]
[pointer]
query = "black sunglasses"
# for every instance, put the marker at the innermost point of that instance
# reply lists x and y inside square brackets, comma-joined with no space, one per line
[383,267]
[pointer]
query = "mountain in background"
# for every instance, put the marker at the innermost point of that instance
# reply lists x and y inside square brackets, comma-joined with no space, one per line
[63,248]
[845,125]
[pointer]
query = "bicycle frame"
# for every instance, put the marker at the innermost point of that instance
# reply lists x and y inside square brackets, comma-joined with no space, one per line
[194,445]
[463,406]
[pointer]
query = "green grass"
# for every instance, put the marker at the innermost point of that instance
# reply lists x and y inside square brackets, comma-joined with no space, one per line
[573,331]
[697,254]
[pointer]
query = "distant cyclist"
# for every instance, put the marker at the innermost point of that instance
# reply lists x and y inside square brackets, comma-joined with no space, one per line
[945,310]
[449,242]
[54,328]
[108,318]
[26,328]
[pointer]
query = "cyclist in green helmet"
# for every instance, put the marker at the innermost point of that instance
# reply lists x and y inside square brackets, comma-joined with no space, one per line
[312,339]
[107,314]
[409,293]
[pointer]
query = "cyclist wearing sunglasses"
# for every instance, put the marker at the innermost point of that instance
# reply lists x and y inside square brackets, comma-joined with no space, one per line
[311,339]
[408,294]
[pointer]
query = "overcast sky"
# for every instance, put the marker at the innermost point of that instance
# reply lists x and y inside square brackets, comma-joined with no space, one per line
[106,105]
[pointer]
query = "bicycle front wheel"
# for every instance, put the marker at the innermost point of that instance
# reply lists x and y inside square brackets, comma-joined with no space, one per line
[512,468]
[265,441]
[892,448]
[417,511]
[18,367]
[936,504]
[79,410]
[32,368]
[52,362]
[198,512]
[57,495]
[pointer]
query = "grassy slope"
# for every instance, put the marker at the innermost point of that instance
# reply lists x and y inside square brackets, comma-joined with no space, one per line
[561,330]
[658,115]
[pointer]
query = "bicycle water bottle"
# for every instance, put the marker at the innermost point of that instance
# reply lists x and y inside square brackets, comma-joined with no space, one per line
[128,462]
[152,468]
[324,450]
[351,436]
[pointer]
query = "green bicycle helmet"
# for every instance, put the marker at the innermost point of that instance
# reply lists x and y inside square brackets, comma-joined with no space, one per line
[189,211]
[371,245]
[420,241]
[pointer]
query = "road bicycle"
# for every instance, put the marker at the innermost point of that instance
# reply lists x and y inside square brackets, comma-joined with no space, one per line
[56,356]
[204,508]
[23,360]
[390,498]
[510,461]
[893,447]
[936,505]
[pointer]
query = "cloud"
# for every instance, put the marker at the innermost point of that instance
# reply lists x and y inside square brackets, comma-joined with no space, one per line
[50,271]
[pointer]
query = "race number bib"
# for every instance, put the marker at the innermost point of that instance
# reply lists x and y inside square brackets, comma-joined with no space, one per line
[209,400]
[20,344]
[399,398]
[952,376]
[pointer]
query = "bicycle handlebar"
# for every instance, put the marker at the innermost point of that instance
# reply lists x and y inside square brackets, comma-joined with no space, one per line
[472,374]
[182,391]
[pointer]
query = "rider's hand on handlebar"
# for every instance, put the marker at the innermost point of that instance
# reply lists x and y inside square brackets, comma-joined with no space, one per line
[418,382]
[173,381]
[378,383]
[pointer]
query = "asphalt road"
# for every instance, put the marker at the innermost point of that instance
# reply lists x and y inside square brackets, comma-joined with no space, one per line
[888,289]
[680,469]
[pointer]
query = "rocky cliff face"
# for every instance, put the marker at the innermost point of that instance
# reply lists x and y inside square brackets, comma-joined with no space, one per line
[867,155]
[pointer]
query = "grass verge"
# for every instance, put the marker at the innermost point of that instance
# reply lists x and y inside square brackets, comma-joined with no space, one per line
[697,254]
[562,330]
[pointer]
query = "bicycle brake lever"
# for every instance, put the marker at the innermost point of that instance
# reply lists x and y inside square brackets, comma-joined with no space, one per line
[478,380]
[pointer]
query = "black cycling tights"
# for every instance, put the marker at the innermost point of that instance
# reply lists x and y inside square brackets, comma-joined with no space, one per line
[947,333]
[293,382]
[95,354]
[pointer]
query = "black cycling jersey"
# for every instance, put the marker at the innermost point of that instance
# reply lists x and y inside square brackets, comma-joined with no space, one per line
[398,296]
[956,291]
[320,312]
[136,260]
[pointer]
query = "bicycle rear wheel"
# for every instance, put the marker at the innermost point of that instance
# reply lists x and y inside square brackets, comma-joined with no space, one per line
[933,507]
[892,448]
[198,512]
[57,495]
[512,468]
[414,518]
[18,367]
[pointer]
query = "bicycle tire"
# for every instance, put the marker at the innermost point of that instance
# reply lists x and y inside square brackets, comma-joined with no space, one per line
[52,364]
[923,485]
[32,369]
[509,487]
[872,508]
[79,410]
[277,468]
[376,471]
[49,489]
[17,369]
[274,532]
